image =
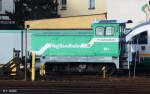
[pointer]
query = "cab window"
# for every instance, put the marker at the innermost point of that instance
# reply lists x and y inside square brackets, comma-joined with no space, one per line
[109,31]
[100,30]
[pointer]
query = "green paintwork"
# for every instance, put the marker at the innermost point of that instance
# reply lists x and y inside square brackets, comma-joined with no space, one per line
[146,61]
[75,37]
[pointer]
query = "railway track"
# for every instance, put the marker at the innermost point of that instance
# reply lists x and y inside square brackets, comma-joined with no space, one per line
[77,84]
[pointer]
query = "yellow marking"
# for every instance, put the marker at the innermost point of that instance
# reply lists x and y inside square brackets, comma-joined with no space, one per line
[14,69]
[42,69]
[145,55]
[33,67]
[12,65]
[13,74]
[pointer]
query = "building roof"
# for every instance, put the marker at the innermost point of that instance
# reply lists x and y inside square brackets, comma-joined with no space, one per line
[80,22]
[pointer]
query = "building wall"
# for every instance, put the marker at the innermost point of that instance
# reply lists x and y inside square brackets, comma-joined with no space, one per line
[81,7]
[7,5]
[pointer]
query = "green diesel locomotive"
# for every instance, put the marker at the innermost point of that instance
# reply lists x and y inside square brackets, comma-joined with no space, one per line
[86,50]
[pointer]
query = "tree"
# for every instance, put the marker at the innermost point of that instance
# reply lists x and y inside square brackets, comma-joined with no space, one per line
[33,10]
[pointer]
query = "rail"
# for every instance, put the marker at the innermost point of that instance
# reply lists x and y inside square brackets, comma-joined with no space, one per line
[103,86]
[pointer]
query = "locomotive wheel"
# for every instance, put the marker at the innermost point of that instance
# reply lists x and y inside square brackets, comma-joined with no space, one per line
[110,70]
[99,69]
[82,67]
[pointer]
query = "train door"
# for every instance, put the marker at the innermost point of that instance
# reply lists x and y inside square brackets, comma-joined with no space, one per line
[140,45]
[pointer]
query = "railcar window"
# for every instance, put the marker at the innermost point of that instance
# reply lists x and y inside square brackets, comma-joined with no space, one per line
[109,31]
[100,30]
[142,38]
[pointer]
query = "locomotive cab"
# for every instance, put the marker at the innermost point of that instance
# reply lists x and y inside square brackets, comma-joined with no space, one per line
[111,33]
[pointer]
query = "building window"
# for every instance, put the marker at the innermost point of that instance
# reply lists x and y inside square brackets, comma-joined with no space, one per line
[63,4]
[0,5]
[91,4]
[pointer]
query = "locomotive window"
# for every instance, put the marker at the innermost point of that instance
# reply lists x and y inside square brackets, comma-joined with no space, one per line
[100,30]
[109,30]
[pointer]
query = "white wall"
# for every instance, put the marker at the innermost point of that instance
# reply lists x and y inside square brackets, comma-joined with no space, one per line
[7,5]
[8,41]
[126,10]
